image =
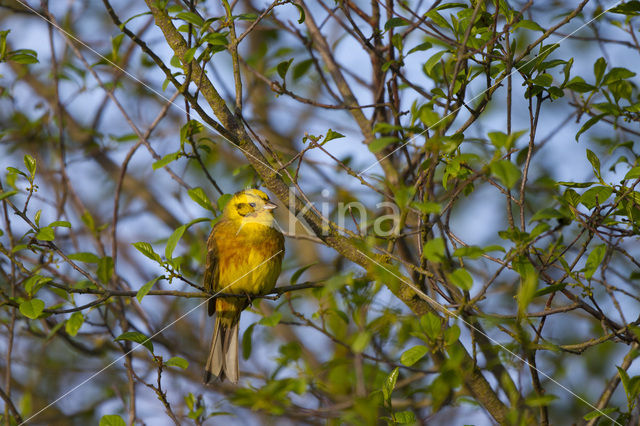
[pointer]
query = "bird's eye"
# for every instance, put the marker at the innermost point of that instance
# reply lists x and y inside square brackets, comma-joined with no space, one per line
[252,204]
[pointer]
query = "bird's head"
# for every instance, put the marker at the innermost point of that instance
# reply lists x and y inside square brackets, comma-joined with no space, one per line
[250,206]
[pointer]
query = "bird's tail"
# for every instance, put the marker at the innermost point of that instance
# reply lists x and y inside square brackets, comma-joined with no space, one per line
[223,355]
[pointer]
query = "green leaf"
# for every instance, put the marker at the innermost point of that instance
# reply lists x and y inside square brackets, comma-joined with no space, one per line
[528,286]
[461,278]
[630,8]
[272,320]
[571,197]
[473,252]
[431,324]
[189,399]
[405,417]
[540,401]
[594,260]
[395,22]
[361,341]
[112,420]
[198,195]
[546,213]
[451,334]
[595,196]
[25,405]
[13,170]
[247,341]
[215,39]
[301,11]
[390,383]
[301,68]
[173,241]
[421,47]
[599,67]
[506,171]
[35,283]
[31,308]
[586,126]
[147,250]
[87,219]
[105,269]
[430,118]
[84,257]
[633,108]
[503,140]
[544,80]
[145,289]
[438,19]
[597,413]
[30,164]
[246,16]
[45,234]
[427,207]
[60,223]
[529,25]
[617,74]
[176,361]
[576,184]
[624,378]
[528,281]
[36,218]
[494,247]
[19,247]
[595,162]
[124,138]
[631,385]
[433,250]
[432,61]
[381,143]
[116,42]
[550,289]
[73,324]
[190,128]
[24,56]
[331,135]
[413,355]
[567,71]
[188,56]
[539,229]
[403,195]
[7,194]
[134,336]
[577,84]
[296,275]
[166,160]
[191,18]
[283,67]
[3,43]
[633,173]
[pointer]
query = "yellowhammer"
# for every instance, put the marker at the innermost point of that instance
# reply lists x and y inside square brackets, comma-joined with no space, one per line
[244,256]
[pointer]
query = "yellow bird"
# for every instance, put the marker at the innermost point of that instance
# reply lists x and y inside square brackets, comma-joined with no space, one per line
[244,256]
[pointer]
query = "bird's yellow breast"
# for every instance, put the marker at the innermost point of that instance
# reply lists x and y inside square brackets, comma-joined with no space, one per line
[249,257]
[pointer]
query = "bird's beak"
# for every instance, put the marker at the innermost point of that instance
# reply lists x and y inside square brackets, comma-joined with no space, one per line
[269,206]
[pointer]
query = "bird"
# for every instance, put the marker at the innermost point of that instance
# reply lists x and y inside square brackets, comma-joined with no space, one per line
[244,257]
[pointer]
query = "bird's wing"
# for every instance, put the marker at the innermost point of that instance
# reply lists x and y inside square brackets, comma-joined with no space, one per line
[280,237]
[211,270]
